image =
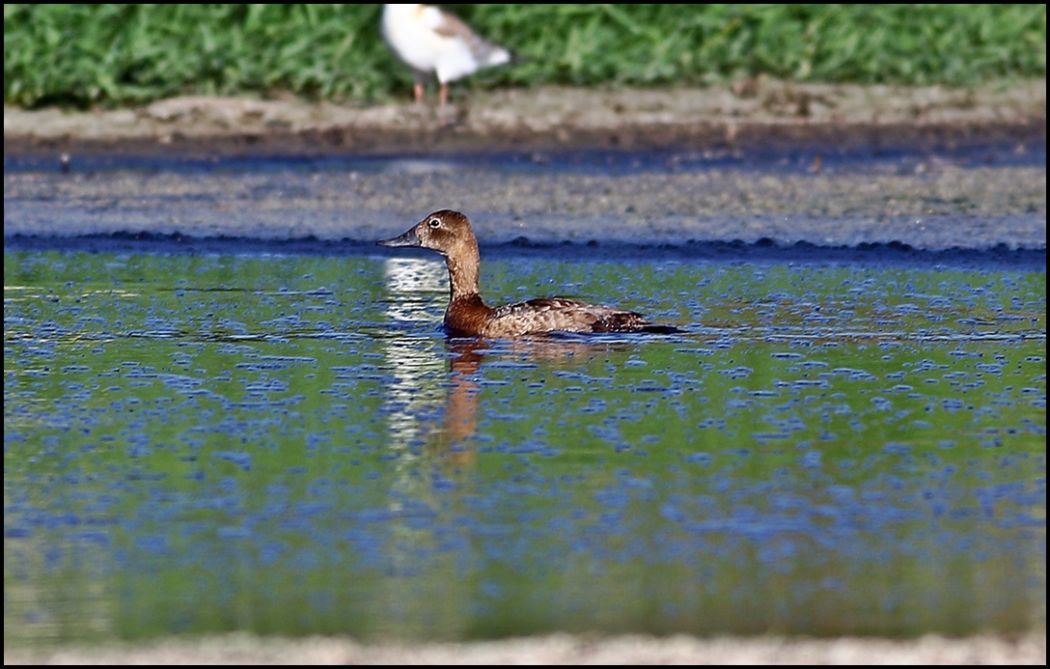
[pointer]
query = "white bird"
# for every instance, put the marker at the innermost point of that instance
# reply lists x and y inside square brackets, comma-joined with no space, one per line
[433,41]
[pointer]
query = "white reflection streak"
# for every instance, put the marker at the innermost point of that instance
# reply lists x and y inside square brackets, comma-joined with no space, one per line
[411,283]
[416,368]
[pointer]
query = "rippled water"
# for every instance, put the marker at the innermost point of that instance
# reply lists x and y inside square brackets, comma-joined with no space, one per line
[288,444]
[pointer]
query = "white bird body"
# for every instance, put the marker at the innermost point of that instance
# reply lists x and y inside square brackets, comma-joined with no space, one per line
[431,40]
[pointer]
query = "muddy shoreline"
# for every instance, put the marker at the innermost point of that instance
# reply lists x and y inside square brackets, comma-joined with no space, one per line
[764,162]
[926,203]
[753,113]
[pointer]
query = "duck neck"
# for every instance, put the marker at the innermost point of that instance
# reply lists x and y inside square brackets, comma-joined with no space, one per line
[463,270]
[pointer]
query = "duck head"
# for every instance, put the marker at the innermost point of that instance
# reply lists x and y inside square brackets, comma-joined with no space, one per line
[447,232]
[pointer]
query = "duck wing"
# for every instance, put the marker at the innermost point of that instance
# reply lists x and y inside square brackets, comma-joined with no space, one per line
[565,314]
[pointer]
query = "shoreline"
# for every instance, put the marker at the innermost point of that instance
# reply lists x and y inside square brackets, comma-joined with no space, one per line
[973,175]
[241,648]
[752,113]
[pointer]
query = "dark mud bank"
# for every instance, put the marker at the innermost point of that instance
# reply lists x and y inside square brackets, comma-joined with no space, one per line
[778,199]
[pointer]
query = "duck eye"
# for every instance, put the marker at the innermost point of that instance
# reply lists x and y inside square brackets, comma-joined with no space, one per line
[434,223]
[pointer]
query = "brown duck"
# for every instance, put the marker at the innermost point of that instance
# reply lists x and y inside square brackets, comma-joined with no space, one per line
[449,233]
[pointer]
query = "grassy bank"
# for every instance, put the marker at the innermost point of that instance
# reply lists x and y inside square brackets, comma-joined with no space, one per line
[81,55]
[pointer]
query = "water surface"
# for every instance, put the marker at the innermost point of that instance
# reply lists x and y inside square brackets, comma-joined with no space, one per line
[288,444]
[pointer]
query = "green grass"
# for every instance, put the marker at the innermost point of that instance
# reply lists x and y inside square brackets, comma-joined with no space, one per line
[119,54]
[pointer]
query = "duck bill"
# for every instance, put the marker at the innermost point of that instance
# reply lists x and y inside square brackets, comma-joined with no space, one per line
[408,239]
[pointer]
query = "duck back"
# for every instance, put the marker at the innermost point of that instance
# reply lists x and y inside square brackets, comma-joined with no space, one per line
[561,314]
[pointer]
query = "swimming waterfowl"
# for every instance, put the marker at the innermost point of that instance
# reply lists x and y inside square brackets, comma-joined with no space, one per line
[450,234]
[433,41]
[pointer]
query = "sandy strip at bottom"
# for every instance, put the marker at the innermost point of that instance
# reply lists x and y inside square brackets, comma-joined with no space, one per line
[556,649]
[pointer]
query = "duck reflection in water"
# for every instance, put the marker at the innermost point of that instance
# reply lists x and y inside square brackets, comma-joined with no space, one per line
[453,438]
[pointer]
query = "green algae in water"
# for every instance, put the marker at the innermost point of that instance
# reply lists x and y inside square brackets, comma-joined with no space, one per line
[289,445]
